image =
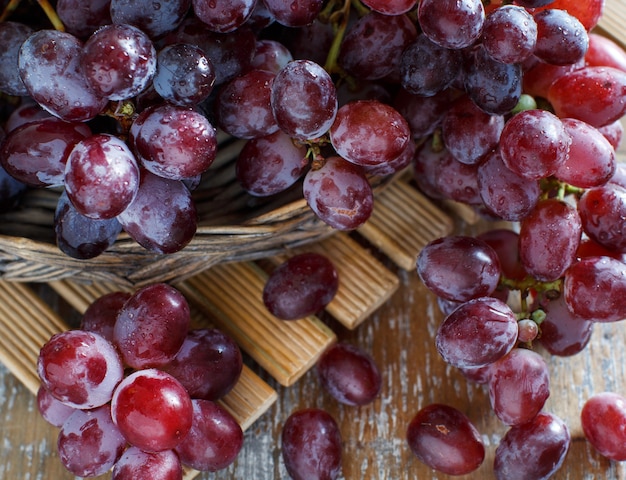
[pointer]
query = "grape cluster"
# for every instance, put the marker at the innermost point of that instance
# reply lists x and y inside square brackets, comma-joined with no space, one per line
[134,389]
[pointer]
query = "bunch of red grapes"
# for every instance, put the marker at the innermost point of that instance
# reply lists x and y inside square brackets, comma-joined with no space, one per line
[512,108]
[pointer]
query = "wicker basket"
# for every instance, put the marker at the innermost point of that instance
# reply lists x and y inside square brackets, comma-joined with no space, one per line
[233,226]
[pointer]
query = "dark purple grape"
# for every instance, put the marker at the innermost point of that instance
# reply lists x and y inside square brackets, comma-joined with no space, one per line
[457,181]
[36,153]
[602,210]
[493,86]
[427,68]
[152,326]
[156,18]
[535,449]
[369,133]
[12,35]
[119,61]
[297,13]
[79,236]
[11,190]
[372,46]
[50,65]
[135,464]
[214,440]
[391,7]
[101,314]
[446,440]
[339,193]
[89,443]
[509,34]
[451,23]
[271,55]
[477,333]
[184,75]
[459,267]
[505,243]
[561,38]
[243,106]
[519,385]
[349,374]
[101,176]
[603,419]
[424,114]
[269,165]
[311,445]
[83,18]
[549,237]
[303,99]
[175,142]
[563,333]
[300,286]
[208,364]
[162,217]
[223,17]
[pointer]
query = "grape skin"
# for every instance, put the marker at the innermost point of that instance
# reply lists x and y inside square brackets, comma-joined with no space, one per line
[135,464]
[603,418]
[561,38]
[52,410]
[12,35]
[451,23]
[602,210]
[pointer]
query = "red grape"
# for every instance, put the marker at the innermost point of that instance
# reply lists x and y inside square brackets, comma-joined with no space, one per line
[561,38]
[509,34]
[563,333]
[602,210]
[12,35]
[52,410]
[136,464]
[223,17]
[451,23]
[101,314]
[603,419]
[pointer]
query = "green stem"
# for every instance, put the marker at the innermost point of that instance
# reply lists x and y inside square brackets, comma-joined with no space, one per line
[52,15]
[339,19]
[9,9]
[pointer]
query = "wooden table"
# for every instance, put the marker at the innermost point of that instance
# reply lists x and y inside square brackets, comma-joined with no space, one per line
[400,336]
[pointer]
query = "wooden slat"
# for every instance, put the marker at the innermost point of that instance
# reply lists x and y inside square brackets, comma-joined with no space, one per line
[613,20]
[249,398]
[232,295]
[401,232]
[364,282]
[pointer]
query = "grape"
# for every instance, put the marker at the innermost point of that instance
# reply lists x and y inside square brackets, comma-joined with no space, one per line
[561,38]
[393,7]
[214,440]
[494,86]
[270,55]
[83,18]
[152,410]
[595,95]
[176,142]
[26,112]
[339,194]
[162,217]
[303,99]
[457,180]
[243,106]
[184,75]
[549,237]
[261,17]
[51,409]
[311,42]
[533,3]
[509,34]
[503,192]
[271,164]
[588,12]
[11,190]
[505,243]
[477,333]
[300,286]
[101,314]
[562,332]
[528,330]
[12,35]
[89,443]
[36,153]
[605,52]
[469,133]
[446,440]
[369,133]
[101,176]
[349,374]
[396,165]
[591,248]
[534,450]
[372,46]
[81,369]
[311,445]
[603,419]
[424,114]
[591,158]
[223,17]
[438,267]
[136,464]
[427,68]
[539,76]
[534,143]
[613,132]
[79,236]
[297,13]
[595,288]
[230,53]
[519,385]
[451,23]
[425,162]
[156,18]
[50,65]
[208,364]
[152,326]
[602,210]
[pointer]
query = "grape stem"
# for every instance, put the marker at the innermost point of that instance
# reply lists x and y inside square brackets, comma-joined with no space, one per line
[9,9]
[45,5]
